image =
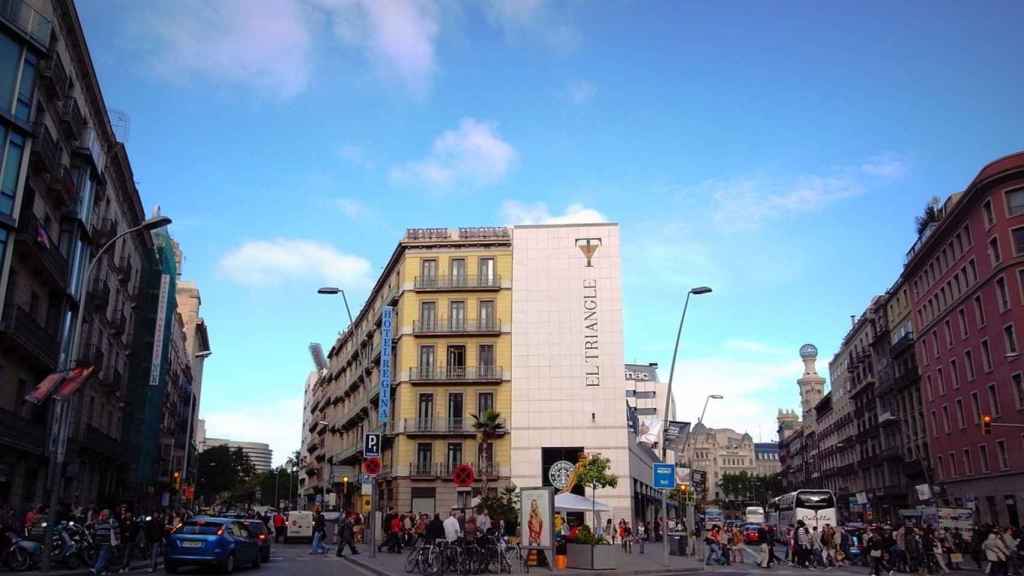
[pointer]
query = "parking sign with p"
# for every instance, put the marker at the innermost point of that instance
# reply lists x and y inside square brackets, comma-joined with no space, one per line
[371,445]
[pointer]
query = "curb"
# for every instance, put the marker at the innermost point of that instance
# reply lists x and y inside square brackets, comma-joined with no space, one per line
[368,567]
[87,571]
[653,572]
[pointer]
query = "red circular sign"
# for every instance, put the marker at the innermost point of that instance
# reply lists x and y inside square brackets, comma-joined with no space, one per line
[371,466]
[463,476]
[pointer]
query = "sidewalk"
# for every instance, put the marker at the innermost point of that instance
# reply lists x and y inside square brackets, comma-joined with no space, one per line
[137,567]
[636,564]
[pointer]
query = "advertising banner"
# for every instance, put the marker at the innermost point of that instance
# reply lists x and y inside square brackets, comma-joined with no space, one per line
[536,517]
[384,403]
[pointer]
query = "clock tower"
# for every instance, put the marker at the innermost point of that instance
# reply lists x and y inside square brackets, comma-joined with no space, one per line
[812,385]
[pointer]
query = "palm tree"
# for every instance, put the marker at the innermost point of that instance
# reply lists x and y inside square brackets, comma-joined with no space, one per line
[488,427]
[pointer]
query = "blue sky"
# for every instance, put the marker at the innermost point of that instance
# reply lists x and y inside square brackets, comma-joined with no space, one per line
[777,152]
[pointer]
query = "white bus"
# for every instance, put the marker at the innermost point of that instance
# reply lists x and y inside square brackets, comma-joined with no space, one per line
[754,515]
[814,507]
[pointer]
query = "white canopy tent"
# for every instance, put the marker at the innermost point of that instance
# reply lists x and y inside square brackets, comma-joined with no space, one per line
[577,503]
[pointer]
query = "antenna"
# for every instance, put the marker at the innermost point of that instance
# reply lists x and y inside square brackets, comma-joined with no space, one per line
[121,123]
[317,352]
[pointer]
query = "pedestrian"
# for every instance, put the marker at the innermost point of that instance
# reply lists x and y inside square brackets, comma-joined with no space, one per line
[641,535]
[127,522]
[106,535]
[280,525]
[996,553]
[876,552]
[452,531]
[319,532]
[802,544]
[346,536]
[435,529]
[627,538]
[154,538]
[483,521]
[714,544]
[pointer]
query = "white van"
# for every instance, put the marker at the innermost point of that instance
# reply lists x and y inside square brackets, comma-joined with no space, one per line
[300,525]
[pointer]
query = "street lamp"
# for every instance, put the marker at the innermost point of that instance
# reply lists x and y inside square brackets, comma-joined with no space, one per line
[188,427]
[698,291]
[331,290]
[60,428]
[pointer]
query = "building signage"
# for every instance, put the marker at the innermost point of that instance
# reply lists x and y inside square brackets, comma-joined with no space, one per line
[158,333]
[591,341]
[384,403]
[371,445]
[560,474]
[664,476]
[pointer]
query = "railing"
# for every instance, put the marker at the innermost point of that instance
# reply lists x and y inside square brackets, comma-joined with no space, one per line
[447,469]
[427,234]
[46,148]
[31,233]
[63,182]
[19,324]
[455,373]
[423,470]
[71,118]
[89,144]
[484,233]
[463,282]
[452,326]
[54,75]
[28,20]
[437,425]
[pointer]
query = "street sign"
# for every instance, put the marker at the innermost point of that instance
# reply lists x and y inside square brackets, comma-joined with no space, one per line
[371,445]
[372,467]
[664,476]
[384,397]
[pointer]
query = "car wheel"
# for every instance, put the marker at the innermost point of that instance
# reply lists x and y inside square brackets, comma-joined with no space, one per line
[170,568]
[229,564]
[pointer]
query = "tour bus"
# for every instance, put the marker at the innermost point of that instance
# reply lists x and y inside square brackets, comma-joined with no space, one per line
[754,515]
[814,507]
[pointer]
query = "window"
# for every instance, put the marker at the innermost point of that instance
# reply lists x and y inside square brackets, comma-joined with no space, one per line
[929,390]
[428,315]
[990,217]
[428,271]
[949,334]
[953,468]
[23,106]
[457,315]
[960,420]
[424,458]
[983,458]
[1018,241]
[935,423]
[942,382]
[488,319]
[425,412]
[993,400]
[456,361]
[488,277]
[1010,338]
[486,360]
[963,320]
[1004,463]
[968,466]
[972,268]
[456,411]
[457,271]
[9,172]
[426,360]
[1015,202]
[454,455]
[484,403]
[979,311]
[976,407]
[993,251]
[986,356]
[954,374]
[1017,382]
[967,234]
[945,418]
[1002,294]
[1020,282]
[969,364]
[935,344]
[942,468]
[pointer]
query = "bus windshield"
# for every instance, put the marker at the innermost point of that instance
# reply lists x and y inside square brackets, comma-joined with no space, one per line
[815,500]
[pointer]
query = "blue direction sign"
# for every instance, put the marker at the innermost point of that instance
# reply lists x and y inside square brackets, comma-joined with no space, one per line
[664,476]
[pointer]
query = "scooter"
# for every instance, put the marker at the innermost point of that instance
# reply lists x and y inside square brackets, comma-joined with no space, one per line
[21,554]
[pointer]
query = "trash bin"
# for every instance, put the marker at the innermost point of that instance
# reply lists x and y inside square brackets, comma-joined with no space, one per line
[675,545]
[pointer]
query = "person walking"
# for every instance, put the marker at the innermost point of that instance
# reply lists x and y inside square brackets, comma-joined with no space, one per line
[875,552]
[996,553]
[714,543]
[452,530]
[346,536]
[627,538]
[154,531]
[435,530]
[641,535]
[319,532]
[609,531]
[106,535]
[280,525]
[802,544]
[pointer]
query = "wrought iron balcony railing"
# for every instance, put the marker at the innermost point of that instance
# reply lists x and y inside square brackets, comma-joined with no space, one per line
[443,326]
[455,374]
[457,282]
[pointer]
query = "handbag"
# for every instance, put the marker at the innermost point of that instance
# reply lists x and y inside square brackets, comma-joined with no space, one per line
[956,557]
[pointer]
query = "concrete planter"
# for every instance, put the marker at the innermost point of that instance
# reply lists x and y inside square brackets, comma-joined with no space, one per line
[606,557]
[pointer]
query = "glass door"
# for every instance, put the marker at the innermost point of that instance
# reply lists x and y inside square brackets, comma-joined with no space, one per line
[457,271]
[456,362]
[428,316]
[488,321]
[487,273]
[426,362]
[455,412]
[425,413]
[457,316]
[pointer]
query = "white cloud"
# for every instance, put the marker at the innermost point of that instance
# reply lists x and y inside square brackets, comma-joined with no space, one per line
[276,423]
[580,91]
[473,154]
[399,36]
[537,213]
[351,207]
[269,262]
[269,49]
[747,202]
[512,12]
[885,166]
[532,20]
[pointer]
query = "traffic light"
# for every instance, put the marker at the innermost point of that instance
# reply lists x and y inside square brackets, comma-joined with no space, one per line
[986,425]
[177,480]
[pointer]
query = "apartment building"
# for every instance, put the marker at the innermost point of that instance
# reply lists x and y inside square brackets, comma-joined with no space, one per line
[449,294]
[966,279]
[67,189]
[259,453]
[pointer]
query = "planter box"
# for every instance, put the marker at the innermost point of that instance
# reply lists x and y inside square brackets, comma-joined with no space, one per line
[606,557]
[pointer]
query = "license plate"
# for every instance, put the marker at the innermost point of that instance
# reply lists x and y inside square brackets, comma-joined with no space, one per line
[191,544]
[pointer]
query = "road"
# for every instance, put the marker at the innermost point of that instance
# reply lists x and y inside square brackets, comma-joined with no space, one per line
[288,560]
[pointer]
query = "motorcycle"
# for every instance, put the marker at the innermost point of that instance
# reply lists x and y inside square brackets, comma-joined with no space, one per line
[21,554]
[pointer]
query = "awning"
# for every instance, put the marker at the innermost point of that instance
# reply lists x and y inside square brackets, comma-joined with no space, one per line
[43,389]
[74,381]
[577,503]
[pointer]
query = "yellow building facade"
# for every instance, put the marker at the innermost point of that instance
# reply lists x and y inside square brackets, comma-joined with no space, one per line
[451,346]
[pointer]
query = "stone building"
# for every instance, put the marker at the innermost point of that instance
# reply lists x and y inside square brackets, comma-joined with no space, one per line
[720,451]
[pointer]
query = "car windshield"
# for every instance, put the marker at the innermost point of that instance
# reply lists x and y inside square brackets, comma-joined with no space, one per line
[256,527]
[200,527]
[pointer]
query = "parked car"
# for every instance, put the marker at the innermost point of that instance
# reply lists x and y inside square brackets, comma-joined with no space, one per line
[223,543]
[263,537]
[751,534]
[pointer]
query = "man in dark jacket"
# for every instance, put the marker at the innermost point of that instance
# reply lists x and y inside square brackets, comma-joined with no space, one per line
[106,535]
[346,536]
[154,538]
[435,529]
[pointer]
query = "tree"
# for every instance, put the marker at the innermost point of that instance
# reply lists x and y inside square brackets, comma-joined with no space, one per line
[488,427]
[595,472]
[930,215]
[504,506]
[223,471]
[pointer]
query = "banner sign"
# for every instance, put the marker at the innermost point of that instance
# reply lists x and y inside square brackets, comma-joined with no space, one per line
[158,333]
[384,403]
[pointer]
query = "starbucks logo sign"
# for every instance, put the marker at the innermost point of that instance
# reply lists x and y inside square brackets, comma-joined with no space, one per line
[560,473]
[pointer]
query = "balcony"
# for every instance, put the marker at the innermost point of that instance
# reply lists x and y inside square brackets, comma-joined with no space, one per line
[28,20]
[99,295]
[41,251]
[19,327]
[22,433]
[46,151]
[71,119]
[455,374]
[457,283]
[886,418]
[437,426]
[89,147]
[54,77]
[447,326]
[891,453]
[423,470]
[904,342]
[123,269]
[447,470]
[62,183]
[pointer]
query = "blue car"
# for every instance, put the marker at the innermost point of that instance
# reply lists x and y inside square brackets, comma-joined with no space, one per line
[223,543]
